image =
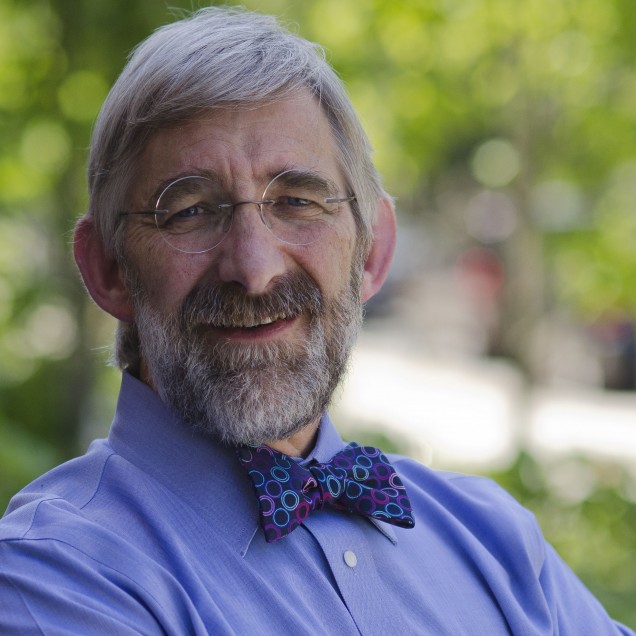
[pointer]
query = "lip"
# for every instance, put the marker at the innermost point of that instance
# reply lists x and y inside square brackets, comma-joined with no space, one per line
[254,334]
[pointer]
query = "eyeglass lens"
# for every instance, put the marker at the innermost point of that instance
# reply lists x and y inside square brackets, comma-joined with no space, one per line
[193,213]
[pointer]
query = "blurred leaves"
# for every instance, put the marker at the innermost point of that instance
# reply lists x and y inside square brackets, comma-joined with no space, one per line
[588,512]
[22,456]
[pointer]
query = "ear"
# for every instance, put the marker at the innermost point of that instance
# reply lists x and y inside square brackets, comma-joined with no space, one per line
[101,272]
[380,255]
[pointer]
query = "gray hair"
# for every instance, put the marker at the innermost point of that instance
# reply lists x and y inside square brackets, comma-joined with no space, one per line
[218,57]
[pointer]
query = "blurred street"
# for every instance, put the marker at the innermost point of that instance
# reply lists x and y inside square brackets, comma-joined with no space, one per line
[475,413]
[423,372]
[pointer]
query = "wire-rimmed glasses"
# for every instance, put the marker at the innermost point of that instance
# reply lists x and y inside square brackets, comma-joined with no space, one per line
[193,216]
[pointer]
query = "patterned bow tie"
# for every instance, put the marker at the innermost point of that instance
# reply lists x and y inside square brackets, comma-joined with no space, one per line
[357,479]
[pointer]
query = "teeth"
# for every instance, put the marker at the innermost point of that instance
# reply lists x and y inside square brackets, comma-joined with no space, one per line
[263,321]
[269,320]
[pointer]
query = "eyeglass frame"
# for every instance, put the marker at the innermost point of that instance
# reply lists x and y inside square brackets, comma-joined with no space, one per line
[231,207]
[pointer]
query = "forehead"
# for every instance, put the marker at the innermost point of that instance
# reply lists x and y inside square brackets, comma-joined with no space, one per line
[243,148]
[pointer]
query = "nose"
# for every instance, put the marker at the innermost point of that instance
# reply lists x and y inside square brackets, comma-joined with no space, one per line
[250,254]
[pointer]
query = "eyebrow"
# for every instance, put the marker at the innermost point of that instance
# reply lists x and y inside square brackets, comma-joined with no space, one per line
[191,184]
[168,181]
[301,178]
[290,176]
[164,183]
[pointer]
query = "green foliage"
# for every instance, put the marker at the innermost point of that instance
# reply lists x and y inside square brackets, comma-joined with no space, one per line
[587,512]
[22,457]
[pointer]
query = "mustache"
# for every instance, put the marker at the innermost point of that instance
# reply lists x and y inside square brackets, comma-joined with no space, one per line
[230,305]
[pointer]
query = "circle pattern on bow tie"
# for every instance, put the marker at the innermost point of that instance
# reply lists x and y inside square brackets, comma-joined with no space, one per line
[290,499]
[358,479]
[280,474]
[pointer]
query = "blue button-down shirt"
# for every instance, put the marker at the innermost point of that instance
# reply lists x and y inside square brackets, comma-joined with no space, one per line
[155,531]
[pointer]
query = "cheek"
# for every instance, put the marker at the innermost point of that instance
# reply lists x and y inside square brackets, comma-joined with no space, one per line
[143,247]
[164,275]
[329,262]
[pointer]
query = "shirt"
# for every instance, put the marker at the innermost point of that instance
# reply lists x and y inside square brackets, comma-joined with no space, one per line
[155,531]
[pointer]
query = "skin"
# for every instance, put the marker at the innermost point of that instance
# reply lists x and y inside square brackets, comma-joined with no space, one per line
[245,148]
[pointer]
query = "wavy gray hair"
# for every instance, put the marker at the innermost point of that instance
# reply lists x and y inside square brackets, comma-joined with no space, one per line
[218,57]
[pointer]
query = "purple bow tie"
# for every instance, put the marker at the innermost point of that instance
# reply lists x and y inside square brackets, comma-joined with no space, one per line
[357,479]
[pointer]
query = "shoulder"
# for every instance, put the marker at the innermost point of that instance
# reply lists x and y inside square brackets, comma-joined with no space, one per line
[68,570]
[51,519]
[474,508]
[458,489]
[61,563]
[65,489]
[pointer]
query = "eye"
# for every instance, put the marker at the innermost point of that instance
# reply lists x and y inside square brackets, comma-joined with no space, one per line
[183,216]
[190,218]
[187,213]
[297,202]
[295,207]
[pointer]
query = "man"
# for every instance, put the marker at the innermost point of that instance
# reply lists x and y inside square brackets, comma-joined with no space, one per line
[236,227]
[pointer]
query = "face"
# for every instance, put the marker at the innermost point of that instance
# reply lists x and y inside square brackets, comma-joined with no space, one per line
[247,340]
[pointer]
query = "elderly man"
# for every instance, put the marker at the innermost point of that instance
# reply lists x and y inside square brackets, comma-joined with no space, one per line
[236,227]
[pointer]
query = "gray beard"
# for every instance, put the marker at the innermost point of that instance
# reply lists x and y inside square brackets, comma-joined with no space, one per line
[249,393]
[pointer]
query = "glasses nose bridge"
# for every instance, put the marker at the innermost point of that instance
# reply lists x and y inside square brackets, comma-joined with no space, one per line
[247,202]
[260,204]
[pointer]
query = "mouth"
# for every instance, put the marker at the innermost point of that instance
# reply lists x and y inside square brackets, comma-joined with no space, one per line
[255,323]
[258,329]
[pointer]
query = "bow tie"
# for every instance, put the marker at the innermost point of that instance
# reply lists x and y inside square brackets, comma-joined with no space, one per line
[357,479]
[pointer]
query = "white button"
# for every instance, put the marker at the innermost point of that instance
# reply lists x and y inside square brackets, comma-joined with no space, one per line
[350,559]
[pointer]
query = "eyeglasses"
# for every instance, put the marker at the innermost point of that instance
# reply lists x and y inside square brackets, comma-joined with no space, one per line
[193,216]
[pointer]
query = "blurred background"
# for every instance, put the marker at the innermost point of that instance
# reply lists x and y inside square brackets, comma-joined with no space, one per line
[504,342]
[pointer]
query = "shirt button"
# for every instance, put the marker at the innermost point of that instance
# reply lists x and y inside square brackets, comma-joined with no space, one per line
[350,558]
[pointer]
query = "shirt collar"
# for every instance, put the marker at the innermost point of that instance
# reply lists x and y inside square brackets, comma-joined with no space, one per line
[201,472]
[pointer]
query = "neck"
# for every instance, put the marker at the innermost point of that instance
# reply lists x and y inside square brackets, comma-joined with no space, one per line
[300,444]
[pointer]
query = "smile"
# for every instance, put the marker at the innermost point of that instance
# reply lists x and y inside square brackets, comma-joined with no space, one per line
[252,324]
[256,330]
